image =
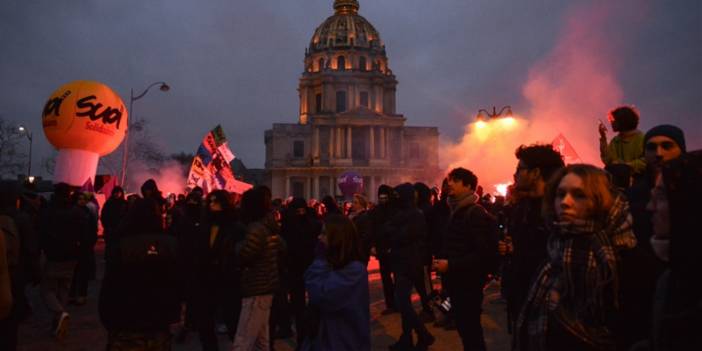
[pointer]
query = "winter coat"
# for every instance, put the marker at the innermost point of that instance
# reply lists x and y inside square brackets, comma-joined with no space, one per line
[141,290]
[379,216]
[300,234]
[64,232]
[343,301]
[529,237]
[364,227]
[470,244]
[258,258]
[406,232]
[628,150]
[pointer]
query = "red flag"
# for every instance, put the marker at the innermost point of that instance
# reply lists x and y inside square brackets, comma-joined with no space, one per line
[88,186]
[108,186]
[564,147]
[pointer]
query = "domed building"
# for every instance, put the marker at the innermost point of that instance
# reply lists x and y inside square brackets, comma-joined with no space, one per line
[347,119]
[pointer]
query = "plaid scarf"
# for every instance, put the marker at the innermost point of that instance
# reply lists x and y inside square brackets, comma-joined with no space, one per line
[578,287]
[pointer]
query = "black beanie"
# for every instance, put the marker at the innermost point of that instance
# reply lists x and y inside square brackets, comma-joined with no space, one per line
[669,131]
[385,190]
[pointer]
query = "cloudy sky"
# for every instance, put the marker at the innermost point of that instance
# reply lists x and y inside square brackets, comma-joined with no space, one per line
[238,62]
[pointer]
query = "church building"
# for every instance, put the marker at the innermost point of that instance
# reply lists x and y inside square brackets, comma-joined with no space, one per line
[347,118]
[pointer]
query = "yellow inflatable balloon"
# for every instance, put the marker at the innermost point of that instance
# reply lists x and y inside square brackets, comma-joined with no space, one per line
[85,115]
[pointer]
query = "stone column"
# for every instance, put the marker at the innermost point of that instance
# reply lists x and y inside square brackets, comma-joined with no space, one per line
[332,146]
[332,187]
[315,187]
[382,143]
[287,186]
[315,140]
[338,142]
[371,191]
[371,154]
[348,142]
[308,191]
[402,146]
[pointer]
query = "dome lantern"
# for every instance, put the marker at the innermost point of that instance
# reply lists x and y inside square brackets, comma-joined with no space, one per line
[345,7]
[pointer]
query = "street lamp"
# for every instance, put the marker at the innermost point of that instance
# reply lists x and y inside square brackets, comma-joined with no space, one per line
[163,87]
[28,133]
[506,111]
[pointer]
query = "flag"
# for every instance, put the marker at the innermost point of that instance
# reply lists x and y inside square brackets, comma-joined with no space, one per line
[210,169]
[108,186]
[226,152]
[561,144]
[88,186]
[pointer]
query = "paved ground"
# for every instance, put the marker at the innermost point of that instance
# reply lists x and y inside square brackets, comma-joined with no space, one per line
[86,332]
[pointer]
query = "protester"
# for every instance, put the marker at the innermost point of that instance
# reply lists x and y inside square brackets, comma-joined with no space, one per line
[422,281]
[140,295]
[64,232]
[330,206]
[575,300]
[85,268]
[358,214]
[675,206]
[113,213]
[337,282]
[380,214]
[300,229]
[526,226]
[627,146]
[21,255]
[215,282]
[406,230]
[470,248]
[258,257]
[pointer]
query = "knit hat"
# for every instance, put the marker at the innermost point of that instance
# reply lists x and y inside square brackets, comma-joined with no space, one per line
[385,190]
[669,131]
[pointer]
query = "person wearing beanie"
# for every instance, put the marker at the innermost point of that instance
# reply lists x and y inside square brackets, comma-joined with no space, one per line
[406,230]
[663,143]
[379,215]
[627,146]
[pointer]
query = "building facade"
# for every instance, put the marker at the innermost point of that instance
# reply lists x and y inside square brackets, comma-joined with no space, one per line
[347,118]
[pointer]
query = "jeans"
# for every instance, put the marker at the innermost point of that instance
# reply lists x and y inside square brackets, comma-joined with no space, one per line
[138,341]
[56,284]
[252,331]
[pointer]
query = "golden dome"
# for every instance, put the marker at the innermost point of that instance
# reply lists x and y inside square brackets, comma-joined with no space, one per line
[345,29]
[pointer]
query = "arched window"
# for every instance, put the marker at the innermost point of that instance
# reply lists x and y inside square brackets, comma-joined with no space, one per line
[321,64]
[341,63]
[362,64]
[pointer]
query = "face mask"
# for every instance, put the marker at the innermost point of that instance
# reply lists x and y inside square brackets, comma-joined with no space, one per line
[661,247]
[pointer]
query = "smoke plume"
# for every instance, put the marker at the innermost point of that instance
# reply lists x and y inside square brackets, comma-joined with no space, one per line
[567,92]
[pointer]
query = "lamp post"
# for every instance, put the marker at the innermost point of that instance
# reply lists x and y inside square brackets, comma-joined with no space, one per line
[507,110]
[28,133]
[125,152]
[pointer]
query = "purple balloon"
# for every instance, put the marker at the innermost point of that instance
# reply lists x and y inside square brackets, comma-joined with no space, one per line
[350,183]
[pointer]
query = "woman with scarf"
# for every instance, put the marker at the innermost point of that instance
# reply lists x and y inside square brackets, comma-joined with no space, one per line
[575,302]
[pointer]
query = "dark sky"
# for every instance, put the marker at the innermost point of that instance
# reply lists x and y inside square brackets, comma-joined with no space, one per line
[238,62]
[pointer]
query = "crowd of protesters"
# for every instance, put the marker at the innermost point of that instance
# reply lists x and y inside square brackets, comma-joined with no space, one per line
[587,258]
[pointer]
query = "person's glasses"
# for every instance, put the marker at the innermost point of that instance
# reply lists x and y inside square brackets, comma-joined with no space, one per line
[665,145]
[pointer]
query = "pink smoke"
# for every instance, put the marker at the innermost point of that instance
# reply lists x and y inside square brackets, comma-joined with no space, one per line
[170,177]
[568,91]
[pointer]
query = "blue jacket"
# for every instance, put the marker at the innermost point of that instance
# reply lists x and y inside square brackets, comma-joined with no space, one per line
[343,300]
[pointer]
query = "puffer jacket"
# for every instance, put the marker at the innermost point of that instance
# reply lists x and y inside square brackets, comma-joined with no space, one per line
[258,258]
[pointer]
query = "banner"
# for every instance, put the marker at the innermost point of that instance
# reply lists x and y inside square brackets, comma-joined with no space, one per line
[569,154]
[210,169]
